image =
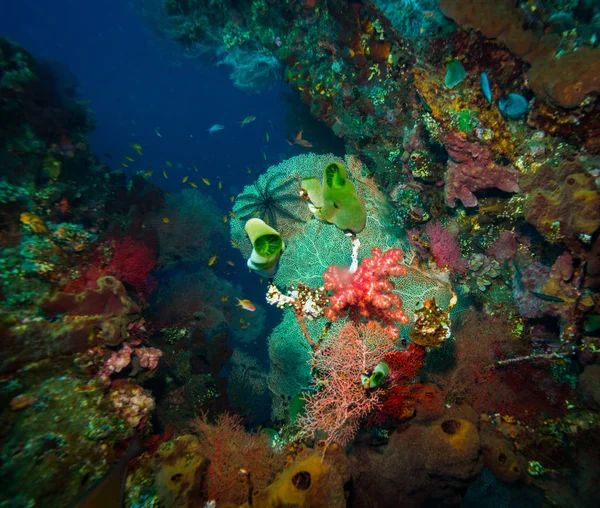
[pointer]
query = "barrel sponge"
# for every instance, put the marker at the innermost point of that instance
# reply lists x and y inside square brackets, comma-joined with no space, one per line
[316,478]
[179,472]
[564,81]
[567,80]
[496,20]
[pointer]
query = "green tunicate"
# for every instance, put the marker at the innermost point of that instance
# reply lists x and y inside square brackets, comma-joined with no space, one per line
[455,73]
[335,176]
[379,373]
[267,247]
[335,200]
[467,119]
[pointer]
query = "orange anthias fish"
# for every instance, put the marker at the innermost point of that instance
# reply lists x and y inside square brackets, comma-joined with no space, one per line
[212,260]
[302,142]
[230,263]
[225,299]
[206,181]
[166,220]
[194,185]
[225,219]
[246,305]
[185,179]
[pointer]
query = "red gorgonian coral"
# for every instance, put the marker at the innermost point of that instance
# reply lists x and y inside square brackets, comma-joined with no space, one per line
[131,262]
[401,394]
[367,293]
[342,402]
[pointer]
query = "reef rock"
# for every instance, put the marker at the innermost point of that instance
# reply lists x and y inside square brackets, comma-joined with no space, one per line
[589,384]
[107,308]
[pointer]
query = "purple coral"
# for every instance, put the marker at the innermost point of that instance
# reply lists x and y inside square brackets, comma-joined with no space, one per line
[505,247]
[471,168]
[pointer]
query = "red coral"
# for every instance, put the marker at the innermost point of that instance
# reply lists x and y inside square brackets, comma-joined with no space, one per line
[367,293]
[131,263]
[230,449]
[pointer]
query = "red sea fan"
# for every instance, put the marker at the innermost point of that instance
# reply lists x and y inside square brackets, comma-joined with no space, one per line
[341,403]
[131,263]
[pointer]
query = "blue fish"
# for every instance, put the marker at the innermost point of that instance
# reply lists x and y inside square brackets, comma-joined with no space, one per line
[485,87]
[216,127]
[513,106]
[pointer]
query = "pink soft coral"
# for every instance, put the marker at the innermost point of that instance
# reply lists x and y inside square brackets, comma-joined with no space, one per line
[367,293]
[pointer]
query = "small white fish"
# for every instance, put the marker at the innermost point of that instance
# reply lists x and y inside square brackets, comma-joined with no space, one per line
[216,127]
[157,132]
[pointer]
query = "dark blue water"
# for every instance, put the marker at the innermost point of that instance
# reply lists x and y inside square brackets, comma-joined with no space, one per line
[141,89]
[137,86]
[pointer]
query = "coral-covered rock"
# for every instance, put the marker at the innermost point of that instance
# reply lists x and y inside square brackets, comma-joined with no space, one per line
[567,80]
[107,308]
[592,268]
[471,168]
[589,385]
[426,462]
[110,298]
[179,472]
[500,19]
